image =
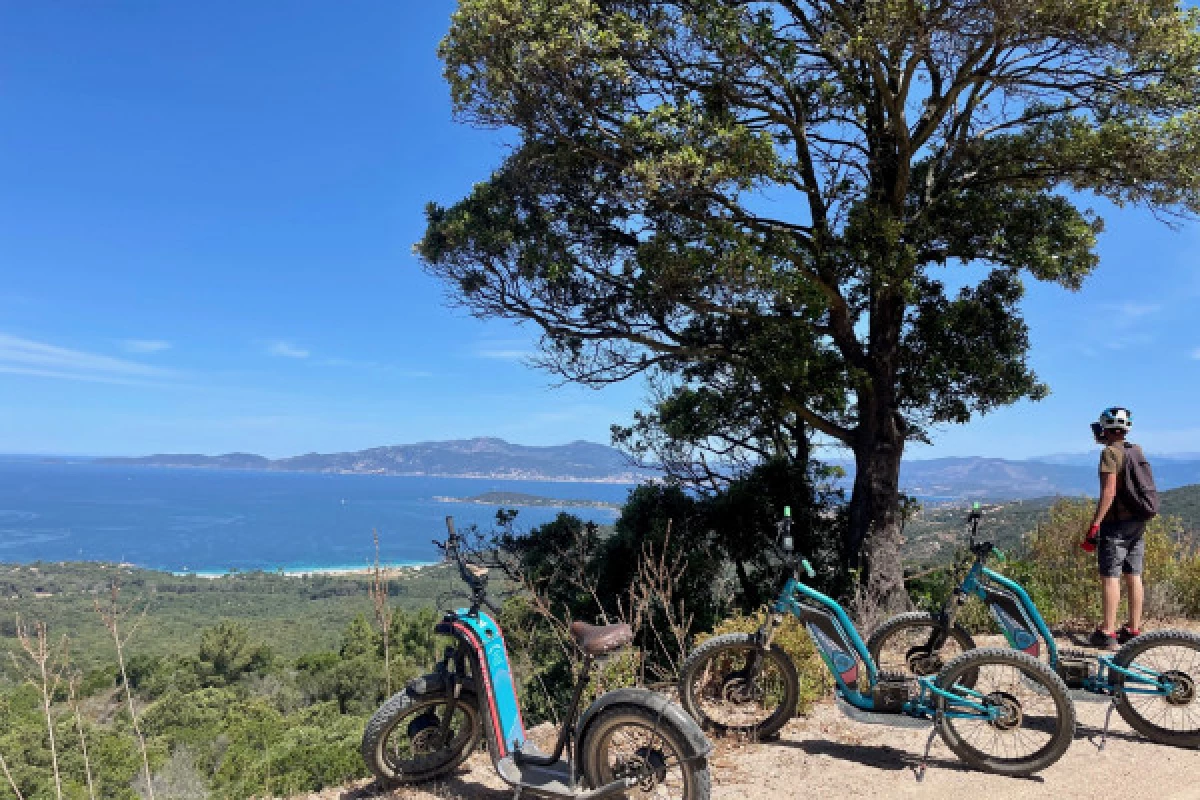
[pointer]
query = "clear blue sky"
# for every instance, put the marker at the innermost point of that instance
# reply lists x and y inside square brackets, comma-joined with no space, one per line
[206,215]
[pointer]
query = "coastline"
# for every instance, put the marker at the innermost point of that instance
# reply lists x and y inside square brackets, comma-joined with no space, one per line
[394,570]
[532,502]
[611,480]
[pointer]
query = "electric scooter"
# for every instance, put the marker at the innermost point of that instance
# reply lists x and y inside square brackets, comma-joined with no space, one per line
[628,741]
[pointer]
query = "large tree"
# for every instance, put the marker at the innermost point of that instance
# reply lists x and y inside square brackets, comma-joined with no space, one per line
[768,198]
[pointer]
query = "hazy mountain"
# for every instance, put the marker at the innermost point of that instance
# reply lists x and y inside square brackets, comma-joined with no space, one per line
[977,478]
[482,457]
[997,479]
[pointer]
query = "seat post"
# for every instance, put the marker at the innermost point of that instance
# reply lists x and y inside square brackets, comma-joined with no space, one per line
[567,733]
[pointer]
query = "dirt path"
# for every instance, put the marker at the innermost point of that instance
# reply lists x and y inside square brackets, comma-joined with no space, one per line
[827,755]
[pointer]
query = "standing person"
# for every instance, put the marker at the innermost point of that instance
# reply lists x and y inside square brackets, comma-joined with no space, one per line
[1116,535]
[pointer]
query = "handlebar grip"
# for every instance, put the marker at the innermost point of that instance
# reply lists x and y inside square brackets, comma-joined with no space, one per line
[808,570]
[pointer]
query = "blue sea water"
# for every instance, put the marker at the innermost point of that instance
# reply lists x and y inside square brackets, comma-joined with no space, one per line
[202,520]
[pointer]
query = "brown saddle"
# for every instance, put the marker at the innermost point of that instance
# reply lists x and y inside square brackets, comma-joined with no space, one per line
[596,640]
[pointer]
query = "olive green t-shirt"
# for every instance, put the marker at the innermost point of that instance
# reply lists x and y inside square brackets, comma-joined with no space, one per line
[1112,461]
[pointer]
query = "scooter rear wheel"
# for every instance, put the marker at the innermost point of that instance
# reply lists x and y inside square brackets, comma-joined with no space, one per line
[400,743]
[1035,723]
[628,741]
[1172,719]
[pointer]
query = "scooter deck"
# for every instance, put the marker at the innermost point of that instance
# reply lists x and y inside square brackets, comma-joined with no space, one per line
[876,718]
[551,781]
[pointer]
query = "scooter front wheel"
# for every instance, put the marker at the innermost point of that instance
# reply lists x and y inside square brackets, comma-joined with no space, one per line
[731,684]
[902,644]
[646,748]
[404,742]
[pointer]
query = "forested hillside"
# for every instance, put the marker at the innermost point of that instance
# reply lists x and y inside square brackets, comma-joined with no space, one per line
[933,533]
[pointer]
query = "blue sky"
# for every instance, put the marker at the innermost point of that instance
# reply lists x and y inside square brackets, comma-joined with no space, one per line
[206,215]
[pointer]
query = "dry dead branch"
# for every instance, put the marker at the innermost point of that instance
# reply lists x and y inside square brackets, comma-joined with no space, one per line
[377,588]
[12,783]
[73,698]
[45,676]
[113,615]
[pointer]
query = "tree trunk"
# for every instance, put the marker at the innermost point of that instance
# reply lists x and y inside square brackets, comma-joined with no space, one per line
[873,537]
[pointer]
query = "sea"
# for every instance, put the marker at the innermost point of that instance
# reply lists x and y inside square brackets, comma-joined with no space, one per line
[210,521]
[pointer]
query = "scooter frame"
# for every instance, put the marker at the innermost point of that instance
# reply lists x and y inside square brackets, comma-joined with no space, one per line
[479,660]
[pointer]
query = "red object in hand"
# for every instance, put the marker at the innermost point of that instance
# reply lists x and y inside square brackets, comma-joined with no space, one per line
[1089,541]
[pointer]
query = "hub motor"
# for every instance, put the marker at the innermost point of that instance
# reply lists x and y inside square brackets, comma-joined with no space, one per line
[647,766]
[1185,688]
[1011,716]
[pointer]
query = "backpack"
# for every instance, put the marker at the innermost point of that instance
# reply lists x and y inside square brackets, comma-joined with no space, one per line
[1136,489]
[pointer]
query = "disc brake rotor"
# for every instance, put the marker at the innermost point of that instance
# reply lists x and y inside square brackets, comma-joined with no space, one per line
[740,687]
[738,690]
[422,733]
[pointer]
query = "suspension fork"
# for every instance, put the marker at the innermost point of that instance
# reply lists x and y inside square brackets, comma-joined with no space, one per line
[945,621]
[766,633]
[453,683]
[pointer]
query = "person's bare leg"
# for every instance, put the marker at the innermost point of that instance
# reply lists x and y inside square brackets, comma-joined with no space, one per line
[1110,598]
[1136,596]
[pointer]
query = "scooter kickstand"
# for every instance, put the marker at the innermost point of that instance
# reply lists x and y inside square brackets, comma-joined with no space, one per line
[1107,718]
[924,763]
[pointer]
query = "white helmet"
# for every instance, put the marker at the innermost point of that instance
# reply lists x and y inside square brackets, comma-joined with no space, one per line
[1116,418]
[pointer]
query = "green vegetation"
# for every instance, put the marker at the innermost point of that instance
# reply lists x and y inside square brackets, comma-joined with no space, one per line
[244,685]
[1061,577]
[180,607]
[933,534]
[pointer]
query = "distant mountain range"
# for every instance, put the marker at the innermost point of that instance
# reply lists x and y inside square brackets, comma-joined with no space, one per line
[464,458]
[974,478]
[966,478]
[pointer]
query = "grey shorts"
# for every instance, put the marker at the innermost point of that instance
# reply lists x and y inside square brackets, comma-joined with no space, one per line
[1121,547]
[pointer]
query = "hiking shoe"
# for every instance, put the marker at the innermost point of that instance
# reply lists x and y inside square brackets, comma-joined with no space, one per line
[1124,635]
[1102,640]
